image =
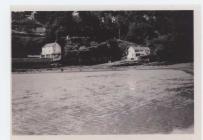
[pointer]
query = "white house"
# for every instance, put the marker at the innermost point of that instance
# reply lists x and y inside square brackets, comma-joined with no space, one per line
[136,52]
[131,54]
[52,51]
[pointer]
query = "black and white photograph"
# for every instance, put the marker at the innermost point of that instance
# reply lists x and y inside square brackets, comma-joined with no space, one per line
[102,72]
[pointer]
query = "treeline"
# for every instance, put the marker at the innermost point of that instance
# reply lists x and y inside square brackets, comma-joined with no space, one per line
[169,34]
[93,52]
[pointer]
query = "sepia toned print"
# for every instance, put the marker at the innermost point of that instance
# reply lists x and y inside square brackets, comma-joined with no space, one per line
[102,72]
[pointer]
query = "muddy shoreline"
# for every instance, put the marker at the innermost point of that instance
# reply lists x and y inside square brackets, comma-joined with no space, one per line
[186,67]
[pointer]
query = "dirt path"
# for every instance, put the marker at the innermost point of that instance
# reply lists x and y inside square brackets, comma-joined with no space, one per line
[105,102]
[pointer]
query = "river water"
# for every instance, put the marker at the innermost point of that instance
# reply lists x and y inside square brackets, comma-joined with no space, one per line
[103,102]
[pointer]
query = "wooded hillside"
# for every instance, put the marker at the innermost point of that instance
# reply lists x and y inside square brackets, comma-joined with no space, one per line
[169,34]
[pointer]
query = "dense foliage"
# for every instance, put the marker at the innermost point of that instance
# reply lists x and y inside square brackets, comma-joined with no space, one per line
[169,34]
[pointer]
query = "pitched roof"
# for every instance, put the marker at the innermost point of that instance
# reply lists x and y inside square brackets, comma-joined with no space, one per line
[139,47]
[51,45]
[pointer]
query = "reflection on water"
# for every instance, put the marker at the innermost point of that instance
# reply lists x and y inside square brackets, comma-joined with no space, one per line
[131,84]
